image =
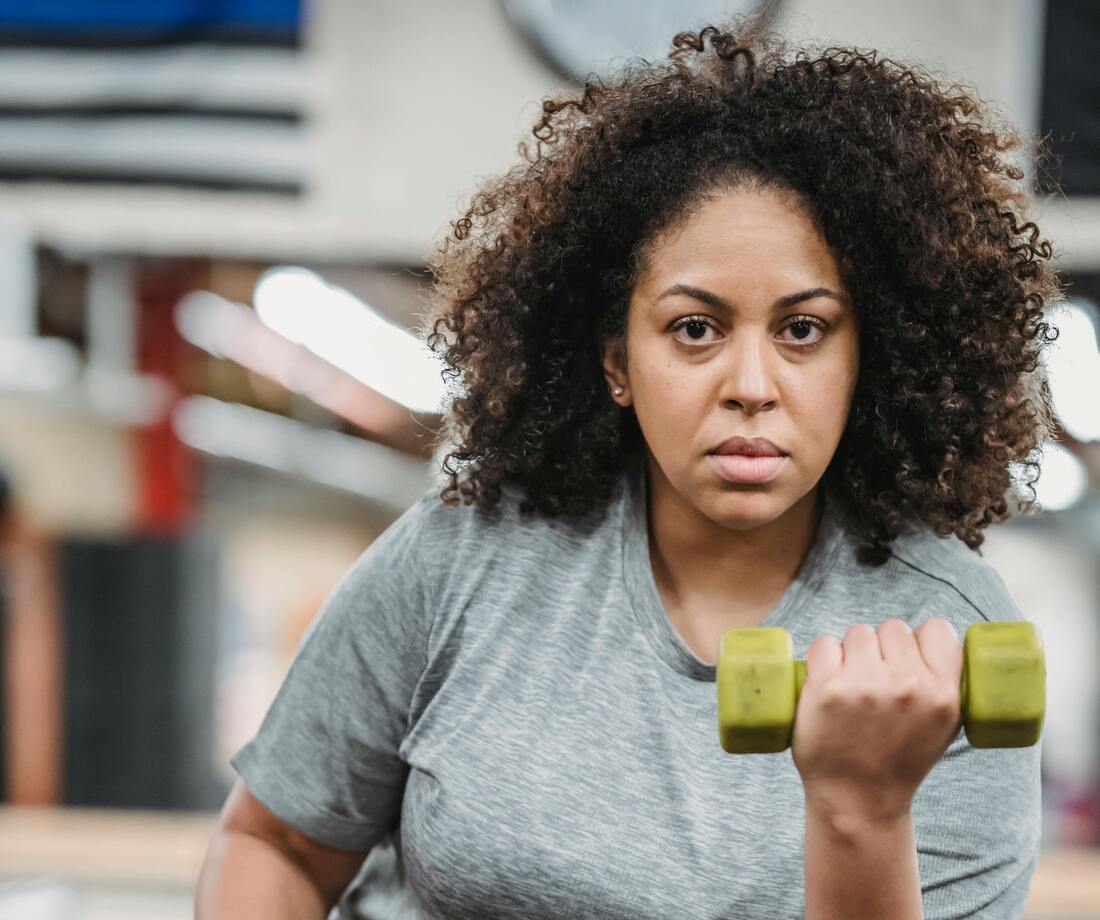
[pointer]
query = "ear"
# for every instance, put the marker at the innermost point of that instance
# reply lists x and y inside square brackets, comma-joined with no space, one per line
[614,369]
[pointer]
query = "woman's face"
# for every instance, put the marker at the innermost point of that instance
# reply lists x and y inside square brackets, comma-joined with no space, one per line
[715,348]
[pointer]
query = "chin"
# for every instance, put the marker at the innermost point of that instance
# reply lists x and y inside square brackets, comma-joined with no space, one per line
[746,509]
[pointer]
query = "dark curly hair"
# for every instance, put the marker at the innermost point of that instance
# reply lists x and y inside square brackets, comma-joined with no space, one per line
[903,177]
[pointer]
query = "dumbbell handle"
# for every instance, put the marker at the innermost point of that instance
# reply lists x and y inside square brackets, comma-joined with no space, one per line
[1002,691]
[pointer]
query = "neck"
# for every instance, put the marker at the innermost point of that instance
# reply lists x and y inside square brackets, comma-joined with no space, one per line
[701,564]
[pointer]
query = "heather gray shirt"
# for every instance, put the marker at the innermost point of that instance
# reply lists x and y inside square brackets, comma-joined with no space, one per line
[498,709]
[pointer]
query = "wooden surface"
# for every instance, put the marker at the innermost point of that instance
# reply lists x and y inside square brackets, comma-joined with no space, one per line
[1066,884]
[91,844]
[165,850]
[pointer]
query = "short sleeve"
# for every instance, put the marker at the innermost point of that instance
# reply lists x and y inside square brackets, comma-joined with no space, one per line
[979,823]
[978,832]
[325,759]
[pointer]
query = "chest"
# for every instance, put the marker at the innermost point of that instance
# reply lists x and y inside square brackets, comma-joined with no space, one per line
[593,787]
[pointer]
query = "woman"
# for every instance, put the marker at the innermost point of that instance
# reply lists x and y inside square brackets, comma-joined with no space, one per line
[508,703]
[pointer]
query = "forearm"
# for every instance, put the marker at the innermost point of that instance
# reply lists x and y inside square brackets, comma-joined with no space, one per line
[245,877]
[856,866]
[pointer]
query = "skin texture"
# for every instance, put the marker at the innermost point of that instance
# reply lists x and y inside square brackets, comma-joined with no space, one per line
[724,552]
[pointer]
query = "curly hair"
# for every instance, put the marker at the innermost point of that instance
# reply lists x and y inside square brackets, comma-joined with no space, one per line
[906,182]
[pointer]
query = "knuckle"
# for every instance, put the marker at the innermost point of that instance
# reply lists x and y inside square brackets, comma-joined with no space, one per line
[866,696]
[906,691]
[945,703]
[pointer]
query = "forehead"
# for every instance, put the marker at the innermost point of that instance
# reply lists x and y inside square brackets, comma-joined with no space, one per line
[743,234]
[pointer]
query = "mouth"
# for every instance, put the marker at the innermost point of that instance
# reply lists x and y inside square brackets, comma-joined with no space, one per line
[747,447]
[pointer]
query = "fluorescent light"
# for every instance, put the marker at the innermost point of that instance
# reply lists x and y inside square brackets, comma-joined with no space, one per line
[328,457]
[349,334]
[38,363]
[1073,366]
[127,397]
[1063,479]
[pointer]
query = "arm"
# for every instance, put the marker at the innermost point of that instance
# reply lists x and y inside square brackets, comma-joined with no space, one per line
[874,717]
[860,865]
[257,866]
[325,761]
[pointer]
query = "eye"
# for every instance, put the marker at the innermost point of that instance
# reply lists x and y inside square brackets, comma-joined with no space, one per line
[802,324]
[696,328]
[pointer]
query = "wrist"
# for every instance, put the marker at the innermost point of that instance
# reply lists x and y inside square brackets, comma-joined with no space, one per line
[846,814]
[860,861]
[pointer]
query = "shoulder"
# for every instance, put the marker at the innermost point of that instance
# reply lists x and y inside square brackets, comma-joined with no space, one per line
[458,528]
[507,519]
[452,535]
[479,566]
[953,574]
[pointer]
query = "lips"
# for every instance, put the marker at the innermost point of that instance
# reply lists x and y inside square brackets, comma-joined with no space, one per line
[741,469]
[748,447]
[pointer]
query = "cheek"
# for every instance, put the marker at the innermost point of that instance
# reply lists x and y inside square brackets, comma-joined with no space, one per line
[823,404]
[668,390]
[671,405]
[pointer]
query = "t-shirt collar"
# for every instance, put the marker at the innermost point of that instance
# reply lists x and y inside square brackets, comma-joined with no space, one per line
[645,598]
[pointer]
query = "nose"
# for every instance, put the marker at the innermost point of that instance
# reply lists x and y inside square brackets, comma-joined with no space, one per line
[749,375]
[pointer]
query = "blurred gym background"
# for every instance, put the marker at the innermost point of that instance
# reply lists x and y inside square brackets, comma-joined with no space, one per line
[214,216]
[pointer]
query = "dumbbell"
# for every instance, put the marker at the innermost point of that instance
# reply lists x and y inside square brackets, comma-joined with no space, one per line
[1002,696]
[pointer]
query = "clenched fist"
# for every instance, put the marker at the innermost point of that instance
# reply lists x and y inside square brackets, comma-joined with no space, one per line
[876,713]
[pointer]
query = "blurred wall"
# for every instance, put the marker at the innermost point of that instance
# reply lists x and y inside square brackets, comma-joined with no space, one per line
[414,102]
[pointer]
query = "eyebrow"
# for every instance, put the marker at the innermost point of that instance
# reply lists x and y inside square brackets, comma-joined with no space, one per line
[788,300]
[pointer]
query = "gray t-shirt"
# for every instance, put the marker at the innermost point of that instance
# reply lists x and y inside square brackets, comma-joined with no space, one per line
[497,707]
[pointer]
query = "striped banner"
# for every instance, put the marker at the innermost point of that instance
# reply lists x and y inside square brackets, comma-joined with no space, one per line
[180,93]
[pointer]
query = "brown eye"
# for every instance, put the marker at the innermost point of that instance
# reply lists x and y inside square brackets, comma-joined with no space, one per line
[695,328]
[802,328]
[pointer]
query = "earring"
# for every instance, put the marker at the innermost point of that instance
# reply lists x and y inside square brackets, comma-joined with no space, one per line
[618,391]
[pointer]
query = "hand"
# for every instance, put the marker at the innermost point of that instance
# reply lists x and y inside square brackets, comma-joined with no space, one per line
[876,714]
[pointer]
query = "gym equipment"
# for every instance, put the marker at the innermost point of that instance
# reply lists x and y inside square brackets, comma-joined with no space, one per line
[1003,688]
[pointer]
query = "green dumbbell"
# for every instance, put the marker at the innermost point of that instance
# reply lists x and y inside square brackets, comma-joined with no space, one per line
[1003,692]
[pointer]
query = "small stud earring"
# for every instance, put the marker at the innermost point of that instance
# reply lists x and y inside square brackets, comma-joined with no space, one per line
[618,391]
